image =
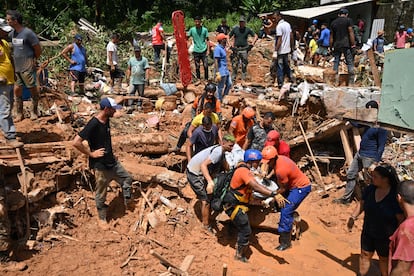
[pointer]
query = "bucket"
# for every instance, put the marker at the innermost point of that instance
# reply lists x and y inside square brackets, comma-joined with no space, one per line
[170,103]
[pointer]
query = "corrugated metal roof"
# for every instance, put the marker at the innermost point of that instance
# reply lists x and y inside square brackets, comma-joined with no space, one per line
[309,13]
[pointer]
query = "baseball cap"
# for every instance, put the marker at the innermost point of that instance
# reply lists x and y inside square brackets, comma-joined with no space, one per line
[315,21]
[343,11]
[109,102]
[221,36]
[78,37]
[137,49]
[402,27]
[271,138]
[242,19]
[380,32]
[409,30]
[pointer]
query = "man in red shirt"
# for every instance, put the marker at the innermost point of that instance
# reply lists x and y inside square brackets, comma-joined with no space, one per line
[401,257]
[273,139]
[158,42]
[293,184]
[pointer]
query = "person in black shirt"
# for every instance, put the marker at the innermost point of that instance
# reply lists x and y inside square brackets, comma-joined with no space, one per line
[101,158]
[223,28]
[382,217]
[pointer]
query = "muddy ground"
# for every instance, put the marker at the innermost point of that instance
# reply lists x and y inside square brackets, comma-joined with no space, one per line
[74,244]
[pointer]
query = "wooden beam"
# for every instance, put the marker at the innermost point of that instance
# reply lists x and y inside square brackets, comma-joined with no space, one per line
[374,68]
[357,138]
[347,149]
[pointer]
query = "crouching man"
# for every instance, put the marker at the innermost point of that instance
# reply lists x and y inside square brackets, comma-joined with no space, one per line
[293,184]
[101,158]
[236,199]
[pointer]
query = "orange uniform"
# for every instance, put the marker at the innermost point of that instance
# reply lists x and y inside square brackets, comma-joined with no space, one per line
[239,181]
[199,102]
[240,129]
[288,174]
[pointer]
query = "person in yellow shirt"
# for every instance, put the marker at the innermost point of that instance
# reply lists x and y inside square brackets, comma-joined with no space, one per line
[6,87]
[313,46]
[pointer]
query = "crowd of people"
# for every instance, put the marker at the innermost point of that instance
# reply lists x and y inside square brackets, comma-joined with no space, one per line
[251,148]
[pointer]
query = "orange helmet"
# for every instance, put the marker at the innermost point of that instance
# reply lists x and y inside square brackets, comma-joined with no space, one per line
[248,112]
[221,36]
[268,153]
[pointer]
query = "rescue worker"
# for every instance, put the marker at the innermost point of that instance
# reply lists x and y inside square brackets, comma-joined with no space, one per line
[241,124]
[273,139]
[236,199]
[293,184]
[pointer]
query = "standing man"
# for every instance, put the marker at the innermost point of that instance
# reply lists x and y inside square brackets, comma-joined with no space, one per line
[6,86]
[199,34]
[158,42]
[220,64]
[342,40]
[101,158]
[112,62]
[137,75]
[323,43]
[284,46]
[223,28]
[241,47]
[293,184]
[400,37]
[370,152]
[26,51]
[256,136]
[78,61]
[200,173]
[401,257]
[379,42]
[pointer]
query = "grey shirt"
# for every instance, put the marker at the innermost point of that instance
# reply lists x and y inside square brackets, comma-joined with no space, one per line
[23,51]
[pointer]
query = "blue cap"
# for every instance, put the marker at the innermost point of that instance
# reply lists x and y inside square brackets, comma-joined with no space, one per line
[314,21]
[409,30]
[252,155]
[109,102]
[78,37]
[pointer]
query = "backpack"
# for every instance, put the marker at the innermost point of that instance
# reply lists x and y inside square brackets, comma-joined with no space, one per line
[221,188]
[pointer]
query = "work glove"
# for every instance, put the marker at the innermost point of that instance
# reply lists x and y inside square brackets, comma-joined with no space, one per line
[274,56]
[350,223]
[210,187]
[281,200]
[218,77]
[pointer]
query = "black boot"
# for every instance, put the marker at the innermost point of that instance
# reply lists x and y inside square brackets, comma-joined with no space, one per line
[284,241]
[241,253]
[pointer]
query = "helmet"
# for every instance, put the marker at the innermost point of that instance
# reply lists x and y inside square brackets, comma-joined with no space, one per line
[210,87]
[221,36]
[252,155]
[272,137]
[315,21]
[248,112]
[409,30]
[268,153]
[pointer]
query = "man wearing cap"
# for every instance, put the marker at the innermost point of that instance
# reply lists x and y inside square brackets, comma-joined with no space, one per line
[370,152]
[199,34]
[6,86]
[26,51]
[273,139]
[400,37]
[137,75]
[410,39]
[200,173]
[342,40]
[379,42]
[241,47]
[241,124]
[284,45]
[78,61]
[101,158]
[256,136]
[293,184]
[220,65]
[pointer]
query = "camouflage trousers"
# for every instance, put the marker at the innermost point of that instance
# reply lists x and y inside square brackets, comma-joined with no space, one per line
[239,58]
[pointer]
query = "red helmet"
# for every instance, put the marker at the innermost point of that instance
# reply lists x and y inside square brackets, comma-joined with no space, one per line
[248,112]
[268,153]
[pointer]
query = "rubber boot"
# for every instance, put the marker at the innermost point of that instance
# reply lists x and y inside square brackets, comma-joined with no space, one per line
[284,241]
[241,253]
[102,212]
[19,109]
[34,113]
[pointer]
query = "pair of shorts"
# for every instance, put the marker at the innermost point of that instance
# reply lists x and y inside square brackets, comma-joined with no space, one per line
[77,76]
[27,78]
[198,183]
[115,74]
[371,244]
[322,50]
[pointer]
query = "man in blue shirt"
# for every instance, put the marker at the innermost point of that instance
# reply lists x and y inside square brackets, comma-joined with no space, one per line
[370,152]
[323,43]
[222,71]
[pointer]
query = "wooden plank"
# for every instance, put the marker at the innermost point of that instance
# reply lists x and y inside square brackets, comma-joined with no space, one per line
[188,260]
[374,68]
[347,149]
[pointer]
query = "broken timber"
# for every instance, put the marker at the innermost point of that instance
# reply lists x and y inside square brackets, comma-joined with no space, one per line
[142,143]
